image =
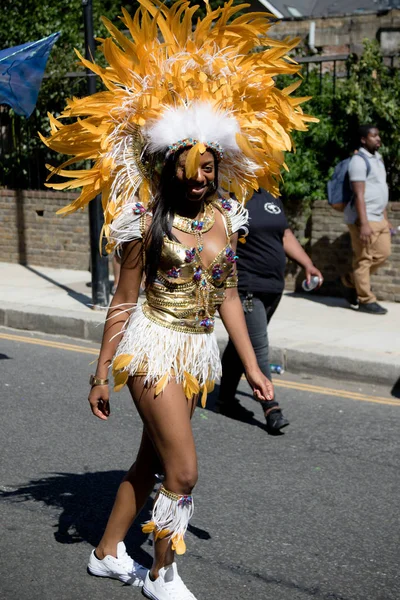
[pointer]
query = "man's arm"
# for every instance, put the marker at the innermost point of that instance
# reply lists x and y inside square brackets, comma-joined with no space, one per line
[391,226]
[358,188]
[358,176]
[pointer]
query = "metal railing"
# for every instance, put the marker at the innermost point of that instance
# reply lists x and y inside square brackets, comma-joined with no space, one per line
[23,156]
[338,65]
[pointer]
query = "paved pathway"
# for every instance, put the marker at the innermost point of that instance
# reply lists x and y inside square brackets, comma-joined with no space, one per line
[308,333]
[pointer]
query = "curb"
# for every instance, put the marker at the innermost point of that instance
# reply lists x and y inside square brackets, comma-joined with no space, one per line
[83,326]
[321,361]
[336,366]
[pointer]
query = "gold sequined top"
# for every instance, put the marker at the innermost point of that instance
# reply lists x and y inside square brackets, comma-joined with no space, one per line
[185,295]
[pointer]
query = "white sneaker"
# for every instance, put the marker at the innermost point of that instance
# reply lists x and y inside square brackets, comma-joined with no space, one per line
[167,586]
[123,567]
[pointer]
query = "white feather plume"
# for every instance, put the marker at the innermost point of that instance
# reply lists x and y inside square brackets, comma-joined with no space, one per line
[200,121]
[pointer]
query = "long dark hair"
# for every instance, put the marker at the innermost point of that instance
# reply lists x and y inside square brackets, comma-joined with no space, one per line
[166,200]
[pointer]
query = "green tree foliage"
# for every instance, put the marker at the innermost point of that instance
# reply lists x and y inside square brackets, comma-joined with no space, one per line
[370,95]
[22,156]
[29,20]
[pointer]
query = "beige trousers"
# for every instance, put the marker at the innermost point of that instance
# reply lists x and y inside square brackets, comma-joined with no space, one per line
[367,259]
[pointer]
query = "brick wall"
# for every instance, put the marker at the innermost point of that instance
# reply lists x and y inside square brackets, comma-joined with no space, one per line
[328,243]
[32,233]
[337,35]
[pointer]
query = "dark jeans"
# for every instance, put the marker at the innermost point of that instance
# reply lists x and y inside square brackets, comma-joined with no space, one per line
[264,306]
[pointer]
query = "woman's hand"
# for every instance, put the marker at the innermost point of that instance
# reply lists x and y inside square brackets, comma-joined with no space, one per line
[99,398]
[261,386]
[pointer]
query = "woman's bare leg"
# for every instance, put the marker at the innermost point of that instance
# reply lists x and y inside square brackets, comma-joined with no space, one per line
[140,479]
[167,421]
[132,494]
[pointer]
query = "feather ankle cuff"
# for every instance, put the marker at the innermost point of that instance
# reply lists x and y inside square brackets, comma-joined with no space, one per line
[170,518]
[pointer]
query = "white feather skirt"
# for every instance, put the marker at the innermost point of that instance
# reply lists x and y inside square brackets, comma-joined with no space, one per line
[163,350]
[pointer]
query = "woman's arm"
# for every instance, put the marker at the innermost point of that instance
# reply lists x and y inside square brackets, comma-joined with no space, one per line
[231,312]
[125,298]
[232,316]
[294,251]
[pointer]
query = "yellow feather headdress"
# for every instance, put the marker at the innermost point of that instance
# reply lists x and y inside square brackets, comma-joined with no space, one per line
[172,85]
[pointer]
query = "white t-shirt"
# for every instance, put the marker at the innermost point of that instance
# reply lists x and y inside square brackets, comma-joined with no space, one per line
[376,194]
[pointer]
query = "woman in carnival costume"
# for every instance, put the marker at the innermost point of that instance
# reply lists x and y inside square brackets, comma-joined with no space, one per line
[189,116]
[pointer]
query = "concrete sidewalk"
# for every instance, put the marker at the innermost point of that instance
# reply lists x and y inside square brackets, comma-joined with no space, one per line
[312,334]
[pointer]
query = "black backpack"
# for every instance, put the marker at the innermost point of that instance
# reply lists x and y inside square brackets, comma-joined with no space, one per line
[339,188]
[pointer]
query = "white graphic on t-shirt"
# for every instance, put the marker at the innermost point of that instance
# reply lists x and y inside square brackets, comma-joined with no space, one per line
[272,208]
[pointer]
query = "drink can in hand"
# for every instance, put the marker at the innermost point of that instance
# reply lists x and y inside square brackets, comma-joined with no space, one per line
[314,282]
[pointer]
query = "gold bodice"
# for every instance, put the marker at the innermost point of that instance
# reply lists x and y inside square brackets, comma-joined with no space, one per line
[186,294]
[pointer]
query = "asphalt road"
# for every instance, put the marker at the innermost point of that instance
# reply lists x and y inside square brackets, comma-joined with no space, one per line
[313,513]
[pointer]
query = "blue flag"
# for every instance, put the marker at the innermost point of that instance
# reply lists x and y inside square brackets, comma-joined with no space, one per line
[21,73]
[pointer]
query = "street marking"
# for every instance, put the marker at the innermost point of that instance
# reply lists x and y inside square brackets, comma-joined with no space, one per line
[303,387]
[48,343]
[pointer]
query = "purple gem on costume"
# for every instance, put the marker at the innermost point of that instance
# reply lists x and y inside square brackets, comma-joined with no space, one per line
[226,204]
[190,254]
[197,225]
[139,208]
[217,272]
[185,501]
[207,323]
[174,273]
[230,255]
[197,273]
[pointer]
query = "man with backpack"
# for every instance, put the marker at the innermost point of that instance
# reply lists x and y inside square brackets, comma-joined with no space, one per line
[366,218]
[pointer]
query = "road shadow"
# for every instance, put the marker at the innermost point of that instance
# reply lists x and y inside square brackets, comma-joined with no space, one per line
[314,296]
[85,501]
[395,391]
[212,400]
[332,254]
[333,258]
[82,298]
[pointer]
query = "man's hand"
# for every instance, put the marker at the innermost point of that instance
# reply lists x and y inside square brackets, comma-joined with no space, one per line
[365,234]
[312,271]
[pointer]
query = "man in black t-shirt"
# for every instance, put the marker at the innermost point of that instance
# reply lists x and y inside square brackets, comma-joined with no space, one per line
[261,275]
